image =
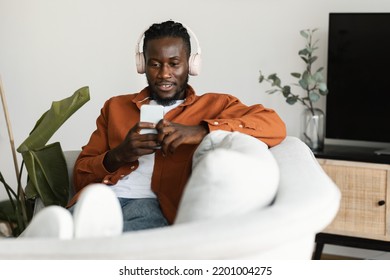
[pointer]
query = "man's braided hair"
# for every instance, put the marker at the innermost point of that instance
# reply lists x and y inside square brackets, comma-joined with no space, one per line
[167,29]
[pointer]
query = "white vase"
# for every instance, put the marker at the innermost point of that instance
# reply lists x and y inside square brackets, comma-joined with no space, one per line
[313,128]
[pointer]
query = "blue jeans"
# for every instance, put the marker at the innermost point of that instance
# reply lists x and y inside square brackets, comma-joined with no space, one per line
[141,213]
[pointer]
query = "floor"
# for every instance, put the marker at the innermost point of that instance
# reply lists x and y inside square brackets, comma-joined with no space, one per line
[340,252]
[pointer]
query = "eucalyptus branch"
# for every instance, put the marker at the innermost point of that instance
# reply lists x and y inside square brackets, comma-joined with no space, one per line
[312,83]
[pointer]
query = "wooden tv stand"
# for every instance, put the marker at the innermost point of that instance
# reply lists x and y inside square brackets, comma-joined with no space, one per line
[363,220]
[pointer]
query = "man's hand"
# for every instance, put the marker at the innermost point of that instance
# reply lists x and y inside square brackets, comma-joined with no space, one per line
[172,135]
[132,147]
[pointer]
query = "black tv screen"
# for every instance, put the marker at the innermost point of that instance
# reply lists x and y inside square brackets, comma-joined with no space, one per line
[358,103]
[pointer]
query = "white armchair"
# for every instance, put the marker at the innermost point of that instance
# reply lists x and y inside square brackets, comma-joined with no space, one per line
[306,202]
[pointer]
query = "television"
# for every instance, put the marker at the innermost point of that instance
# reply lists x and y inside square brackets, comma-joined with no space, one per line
[358,78]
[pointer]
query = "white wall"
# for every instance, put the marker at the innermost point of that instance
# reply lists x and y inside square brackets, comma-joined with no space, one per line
[50,48]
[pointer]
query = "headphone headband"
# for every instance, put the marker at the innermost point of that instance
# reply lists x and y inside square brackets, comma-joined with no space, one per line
[194,60]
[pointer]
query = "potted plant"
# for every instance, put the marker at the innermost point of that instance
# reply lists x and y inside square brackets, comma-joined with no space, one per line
[45,164]
[313,85]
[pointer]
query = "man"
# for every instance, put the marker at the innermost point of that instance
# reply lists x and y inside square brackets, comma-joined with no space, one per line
[148,172]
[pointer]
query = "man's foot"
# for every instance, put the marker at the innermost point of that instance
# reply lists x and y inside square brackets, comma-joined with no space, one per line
[97,213]
[51,222]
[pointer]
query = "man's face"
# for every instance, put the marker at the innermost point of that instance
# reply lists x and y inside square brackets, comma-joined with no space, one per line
[166,69]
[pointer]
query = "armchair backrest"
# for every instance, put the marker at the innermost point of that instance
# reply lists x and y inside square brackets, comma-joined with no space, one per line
[71,157]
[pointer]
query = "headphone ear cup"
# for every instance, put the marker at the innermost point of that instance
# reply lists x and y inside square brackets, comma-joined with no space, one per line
[194,64]
[140,62]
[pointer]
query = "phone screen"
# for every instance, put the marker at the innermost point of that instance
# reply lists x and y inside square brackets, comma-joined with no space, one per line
[152,114]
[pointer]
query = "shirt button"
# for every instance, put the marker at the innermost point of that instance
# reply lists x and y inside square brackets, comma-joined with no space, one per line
[216,123]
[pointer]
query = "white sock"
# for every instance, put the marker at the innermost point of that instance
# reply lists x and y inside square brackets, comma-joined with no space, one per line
[97,213]
[51,222]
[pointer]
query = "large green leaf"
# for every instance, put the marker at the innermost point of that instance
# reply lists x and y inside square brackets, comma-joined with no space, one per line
[52,119]
[48,176]
[46,166]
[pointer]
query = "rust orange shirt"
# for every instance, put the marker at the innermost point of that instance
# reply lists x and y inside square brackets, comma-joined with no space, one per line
[170,174]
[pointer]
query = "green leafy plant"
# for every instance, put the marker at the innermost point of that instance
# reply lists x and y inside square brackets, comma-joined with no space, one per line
[16,211]
[312,82]
[45,165]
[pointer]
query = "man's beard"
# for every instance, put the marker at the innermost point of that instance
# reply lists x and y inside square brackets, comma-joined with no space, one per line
[171,100]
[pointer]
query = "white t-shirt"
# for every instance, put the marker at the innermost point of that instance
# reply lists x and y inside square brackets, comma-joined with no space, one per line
[138,183]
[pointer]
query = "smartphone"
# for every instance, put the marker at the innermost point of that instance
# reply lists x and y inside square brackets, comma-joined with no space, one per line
[152,114]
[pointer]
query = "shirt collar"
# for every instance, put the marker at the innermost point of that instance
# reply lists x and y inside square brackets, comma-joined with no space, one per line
[143,97]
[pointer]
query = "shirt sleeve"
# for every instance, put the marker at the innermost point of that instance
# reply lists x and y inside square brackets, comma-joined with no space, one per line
[89,167]
[256,120]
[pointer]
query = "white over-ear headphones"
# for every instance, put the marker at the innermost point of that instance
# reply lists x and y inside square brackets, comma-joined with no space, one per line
[194,61]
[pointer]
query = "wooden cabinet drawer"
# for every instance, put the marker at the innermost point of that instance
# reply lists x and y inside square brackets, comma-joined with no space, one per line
[363,205]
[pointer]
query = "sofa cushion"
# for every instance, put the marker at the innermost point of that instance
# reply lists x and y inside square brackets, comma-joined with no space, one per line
[233,173]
